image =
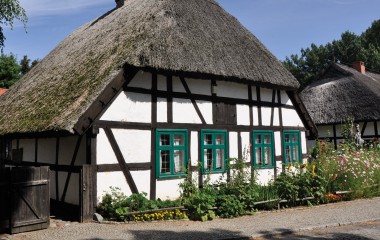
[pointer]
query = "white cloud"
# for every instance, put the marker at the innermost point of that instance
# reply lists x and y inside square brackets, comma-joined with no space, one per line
[56,7]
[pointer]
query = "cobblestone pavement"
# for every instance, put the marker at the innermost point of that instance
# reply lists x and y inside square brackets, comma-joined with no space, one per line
[247,227]
[359,231]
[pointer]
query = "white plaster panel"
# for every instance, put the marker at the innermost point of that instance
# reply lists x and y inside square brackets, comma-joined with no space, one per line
[278,143]
[46,150]
[162,107]
[303,143]
[199,86]
[72,194]
[285,99]
[194,148]
[142,80]
[276,118]
[161,83]
[255,112]
[184,111]
[290,118]
[66,151]
[142,180]
[168,189]
[130,107]
[233,144]
[246,146]
[215,177]
[14,144]
[177,85]
[111,179]
[264,176]
[254,93]
[279,166]
[325,131]
[205,108]
[266,114]
[28,146]
[231,90]
[370,129]
[104,152]
[266,94]
[242,112]
[135,145]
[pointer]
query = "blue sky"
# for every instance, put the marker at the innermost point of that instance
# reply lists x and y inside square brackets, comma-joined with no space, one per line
[284,26]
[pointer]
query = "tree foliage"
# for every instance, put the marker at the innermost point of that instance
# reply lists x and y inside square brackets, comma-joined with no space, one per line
[11,70]
[10,10]
[348,49]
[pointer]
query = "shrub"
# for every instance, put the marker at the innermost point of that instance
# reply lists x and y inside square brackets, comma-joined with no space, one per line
[229,206]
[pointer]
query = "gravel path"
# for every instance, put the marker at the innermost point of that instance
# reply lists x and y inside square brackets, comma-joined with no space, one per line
[274,222]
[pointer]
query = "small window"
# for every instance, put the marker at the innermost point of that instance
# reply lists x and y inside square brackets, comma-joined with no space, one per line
[292,147]
[263,149]
[214,150]
[172,153]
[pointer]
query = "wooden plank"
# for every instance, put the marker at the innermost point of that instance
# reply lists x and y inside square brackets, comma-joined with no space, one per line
[116,167]
[120,159]
[187,89]
[169,83]
[272,108]
[29,183]
[31,222]
[280,108]
[335,141]
[56,164]
[88,205]
[376,129]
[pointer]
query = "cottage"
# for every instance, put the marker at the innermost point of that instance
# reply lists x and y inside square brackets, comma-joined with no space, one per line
[344,93]
[129,99]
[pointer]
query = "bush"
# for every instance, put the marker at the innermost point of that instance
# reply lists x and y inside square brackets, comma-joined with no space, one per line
[199,206]
[229,206]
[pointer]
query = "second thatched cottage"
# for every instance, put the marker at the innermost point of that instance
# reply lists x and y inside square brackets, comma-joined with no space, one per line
[344,93]
[129,98]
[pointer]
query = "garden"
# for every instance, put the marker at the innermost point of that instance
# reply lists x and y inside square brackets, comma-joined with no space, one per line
[330,175]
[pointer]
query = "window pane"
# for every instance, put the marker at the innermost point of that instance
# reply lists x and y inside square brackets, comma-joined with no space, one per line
[287,138]
[219,159]
[165,140]
[219,139]
[295,154]
[179,140]
[179,163]
[267,139]
[165,161]
[287,153]
[295,138]
[258,156]
[208,139]
[267,156]
[258,139]
[207,159]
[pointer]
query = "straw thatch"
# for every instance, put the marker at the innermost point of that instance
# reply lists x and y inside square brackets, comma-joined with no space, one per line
[343,93]
[195,36]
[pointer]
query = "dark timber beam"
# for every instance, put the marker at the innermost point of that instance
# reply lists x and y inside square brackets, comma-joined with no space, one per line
[190,96]
[119,156]
[105,98]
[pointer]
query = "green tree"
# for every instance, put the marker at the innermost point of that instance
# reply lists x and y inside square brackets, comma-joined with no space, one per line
[10,10]
[24,65]
[350,48]
[9,70]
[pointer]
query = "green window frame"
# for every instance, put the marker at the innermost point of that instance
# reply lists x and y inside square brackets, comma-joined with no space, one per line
[214,151]
[263,149]
[171,153]
[292,146]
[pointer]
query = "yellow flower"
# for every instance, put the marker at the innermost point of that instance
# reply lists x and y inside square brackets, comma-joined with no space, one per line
[313,171]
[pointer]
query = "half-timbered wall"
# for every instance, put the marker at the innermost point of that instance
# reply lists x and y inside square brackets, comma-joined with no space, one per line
[333,132]
[63,155]
[126,142]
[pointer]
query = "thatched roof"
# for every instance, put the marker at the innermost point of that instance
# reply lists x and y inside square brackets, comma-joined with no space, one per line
[343,93]
[181,36]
